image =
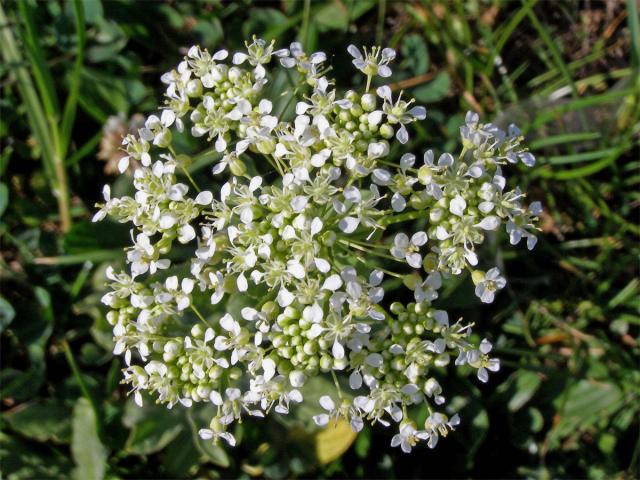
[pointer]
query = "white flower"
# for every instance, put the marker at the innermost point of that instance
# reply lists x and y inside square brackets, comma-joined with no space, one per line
[408,437]
[208,434]
[373,62]
[488,284]
[408,249]
[299,236]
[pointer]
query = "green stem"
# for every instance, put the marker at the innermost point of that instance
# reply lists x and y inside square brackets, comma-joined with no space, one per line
[382,8]
[403,217]
[83,387]
[44,131]
[191,180]
[304,29]
[370,252]
[200,316]
[337,384]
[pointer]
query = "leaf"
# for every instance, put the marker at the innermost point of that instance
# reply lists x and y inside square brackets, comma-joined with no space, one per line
[48,420]
[332,441]
[153,434]
[181,456]
[7,313]
[526,385]
[210,451]
[88,452]
[33,332]
[415,54]
[93,10]
[435,90]
[89,236]
[4,197]
[210,31]
[587,402]
[21,459]
[262,20]
[332,16]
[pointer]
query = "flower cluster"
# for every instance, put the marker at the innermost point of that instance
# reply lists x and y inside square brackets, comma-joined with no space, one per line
[311,219]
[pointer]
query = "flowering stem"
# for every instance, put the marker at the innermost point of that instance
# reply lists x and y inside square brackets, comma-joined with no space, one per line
[81,383]
[365,244]
[304,29]
[388,272]
[199,315]
[184,170]
[382,7]
[403,217]
[372,252]
[337,384]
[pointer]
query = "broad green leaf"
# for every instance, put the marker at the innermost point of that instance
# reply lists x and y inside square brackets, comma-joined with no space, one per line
[152,435]
[210,452]
[415,54]
[89,454]
[7,313]
[181,456]
[4,197]
[93,10]
[331,16]
[48,420]
[586,403]
[526,384]
[435,90]
[28,460]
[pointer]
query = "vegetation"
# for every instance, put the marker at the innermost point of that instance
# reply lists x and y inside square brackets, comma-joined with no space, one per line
[76,75]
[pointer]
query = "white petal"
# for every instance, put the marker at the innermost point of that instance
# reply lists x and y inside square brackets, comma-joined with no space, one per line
[457,206]
[337,350]
[327,403]
[398,203]
[333,283]
[489,223]
[204,198]
[285,297]
[355,380]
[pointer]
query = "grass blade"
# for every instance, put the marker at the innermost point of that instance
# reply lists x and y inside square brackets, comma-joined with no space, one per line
[69,114]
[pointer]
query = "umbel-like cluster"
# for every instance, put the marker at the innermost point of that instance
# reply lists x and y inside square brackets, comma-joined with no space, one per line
[310,216]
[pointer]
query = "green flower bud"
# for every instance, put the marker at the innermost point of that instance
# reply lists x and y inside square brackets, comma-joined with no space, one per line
[368,102]
[387,131]
[194,88]
[238,168]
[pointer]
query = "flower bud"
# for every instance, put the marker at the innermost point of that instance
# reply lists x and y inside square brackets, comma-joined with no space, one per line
[368,102]
[386,131]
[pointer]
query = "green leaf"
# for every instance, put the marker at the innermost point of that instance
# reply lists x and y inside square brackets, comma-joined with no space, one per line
[47,420]
[210,452]
[93,11]
[7,313]
[88,452]
[4,197]
[332,16]
[435,90]
[526,385]
[181,457]
[153,434]
[27,460]
[415,54]
[587,402]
